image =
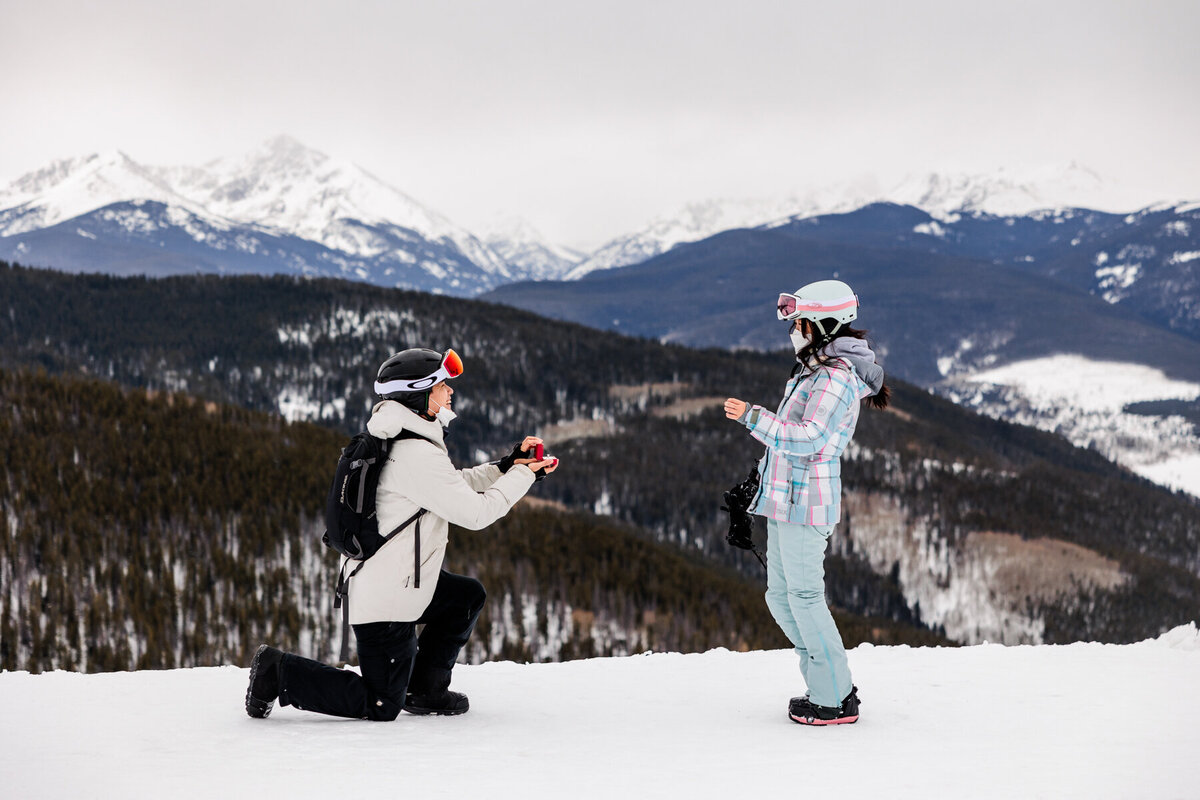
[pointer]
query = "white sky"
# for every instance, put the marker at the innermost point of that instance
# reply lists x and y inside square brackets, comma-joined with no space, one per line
[588,119]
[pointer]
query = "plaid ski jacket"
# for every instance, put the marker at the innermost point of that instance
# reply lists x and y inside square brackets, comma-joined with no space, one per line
[801,472]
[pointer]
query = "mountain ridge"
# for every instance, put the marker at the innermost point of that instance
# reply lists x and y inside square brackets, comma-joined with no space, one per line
[945,196]
[282,188]
[341,221]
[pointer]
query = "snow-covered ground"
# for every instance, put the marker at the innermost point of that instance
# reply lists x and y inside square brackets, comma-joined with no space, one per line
[1074,721]
[1084,401]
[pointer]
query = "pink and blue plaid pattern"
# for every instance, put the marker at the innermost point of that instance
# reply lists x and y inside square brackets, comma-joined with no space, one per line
[801,472]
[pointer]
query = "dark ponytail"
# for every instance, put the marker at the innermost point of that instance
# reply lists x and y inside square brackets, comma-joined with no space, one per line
[810,356]
[879,401]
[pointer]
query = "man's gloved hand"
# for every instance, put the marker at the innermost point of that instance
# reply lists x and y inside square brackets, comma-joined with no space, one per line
[521,454]
[506,463]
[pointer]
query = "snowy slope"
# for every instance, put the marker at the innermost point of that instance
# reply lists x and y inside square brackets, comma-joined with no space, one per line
[1085,401]
[1074,721]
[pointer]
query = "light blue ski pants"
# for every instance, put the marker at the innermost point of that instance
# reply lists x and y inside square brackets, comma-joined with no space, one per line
[796,597]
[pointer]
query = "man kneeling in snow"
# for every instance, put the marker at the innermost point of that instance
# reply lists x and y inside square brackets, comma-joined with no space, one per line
[403,585]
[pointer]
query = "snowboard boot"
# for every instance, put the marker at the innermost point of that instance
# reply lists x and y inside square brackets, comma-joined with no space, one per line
[264,681]
[806,712]
[443,703]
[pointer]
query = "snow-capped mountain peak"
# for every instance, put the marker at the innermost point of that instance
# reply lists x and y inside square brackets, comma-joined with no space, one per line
[702,219]
[286,186]
[331,209]
[73,186]
[1006,192]
[522,245]
[944,195]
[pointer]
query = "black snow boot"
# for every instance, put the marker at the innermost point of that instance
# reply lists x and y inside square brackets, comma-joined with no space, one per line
[444,703]
[806,712]
[264,681]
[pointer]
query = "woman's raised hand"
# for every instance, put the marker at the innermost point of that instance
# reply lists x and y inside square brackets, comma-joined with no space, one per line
[527,445]
[734,408]
[540,468]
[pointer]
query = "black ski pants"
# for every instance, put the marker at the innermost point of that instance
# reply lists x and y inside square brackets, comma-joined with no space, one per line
[392,658]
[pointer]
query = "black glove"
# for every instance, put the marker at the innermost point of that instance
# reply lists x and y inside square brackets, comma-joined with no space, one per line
[506,463]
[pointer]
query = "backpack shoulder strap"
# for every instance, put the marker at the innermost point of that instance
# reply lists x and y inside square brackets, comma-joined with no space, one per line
[342,592]
[341,595]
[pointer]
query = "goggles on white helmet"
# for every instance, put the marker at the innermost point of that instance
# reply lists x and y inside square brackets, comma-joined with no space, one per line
[819,301]
[792,307]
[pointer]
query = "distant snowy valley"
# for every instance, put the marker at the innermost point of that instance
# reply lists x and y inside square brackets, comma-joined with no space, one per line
[1087,402]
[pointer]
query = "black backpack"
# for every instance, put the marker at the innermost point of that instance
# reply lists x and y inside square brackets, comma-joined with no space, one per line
[351,525]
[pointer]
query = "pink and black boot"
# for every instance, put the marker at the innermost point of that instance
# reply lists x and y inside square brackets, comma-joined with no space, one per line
[805,712]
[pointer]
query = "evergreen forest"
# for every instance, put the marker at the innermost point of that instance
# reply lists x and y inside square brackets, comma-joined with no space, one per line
[148,530]
[262,379]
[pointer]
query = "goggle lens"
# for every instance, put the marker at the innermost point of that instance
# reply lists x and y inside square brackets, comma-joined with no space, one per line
[452,364]
[786,305]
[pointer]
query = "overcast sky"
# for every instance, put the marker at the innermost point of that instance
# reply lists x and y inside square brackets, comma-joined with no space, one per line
[589,119]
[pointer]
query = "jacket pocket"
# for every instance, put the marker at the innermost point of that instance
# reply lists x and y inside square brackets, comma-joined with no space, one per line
[777,480]
[427,573]
[799,476]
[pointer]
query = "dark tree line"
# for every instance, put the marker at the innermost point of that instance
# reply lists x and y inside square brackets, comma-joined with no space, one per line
[274,344]
[145,529]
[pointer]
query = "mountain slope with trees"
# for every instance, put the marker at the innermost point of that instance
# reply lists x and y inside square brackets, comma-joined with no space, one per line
[643,442]
[153,530]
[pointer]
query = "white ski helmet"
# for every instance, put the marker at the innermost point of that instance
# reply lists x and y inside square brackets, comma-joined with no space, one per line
[819,301]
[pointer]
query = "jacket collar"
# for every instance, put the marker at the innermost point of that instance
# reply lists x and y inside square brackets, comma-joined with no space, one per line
[389,418]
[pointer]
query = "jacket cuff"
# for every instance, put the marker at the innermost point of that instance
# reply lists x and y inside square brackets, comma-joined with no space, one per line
[749,417]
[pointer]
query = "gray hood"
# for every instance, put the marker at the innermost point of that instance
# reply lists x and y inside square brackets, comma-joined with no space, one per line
[860,355]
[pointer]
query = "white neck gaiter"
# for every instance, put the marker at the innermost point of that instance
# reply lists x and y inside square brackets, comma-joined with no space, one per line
[444,415]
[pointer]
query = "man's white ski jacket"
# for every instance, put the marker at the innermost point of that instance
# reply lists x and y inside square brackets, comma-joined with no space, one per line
[418,474]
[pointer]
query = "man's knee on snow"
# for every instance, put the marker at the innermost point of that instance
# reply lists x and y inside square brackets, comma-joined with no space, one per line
[381,709]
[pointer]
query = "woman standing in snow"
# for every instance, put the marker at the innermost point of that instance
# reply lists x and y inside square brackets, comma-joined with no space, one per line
[799,483]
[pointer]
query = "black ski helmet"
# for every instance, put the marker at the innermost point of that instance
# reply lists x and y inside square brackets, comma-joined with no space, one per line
[410,365]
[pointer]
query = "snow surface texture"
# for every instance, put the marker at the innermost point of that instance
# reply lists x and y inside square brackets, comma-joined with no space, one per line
[1069,721]
[1084,401]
